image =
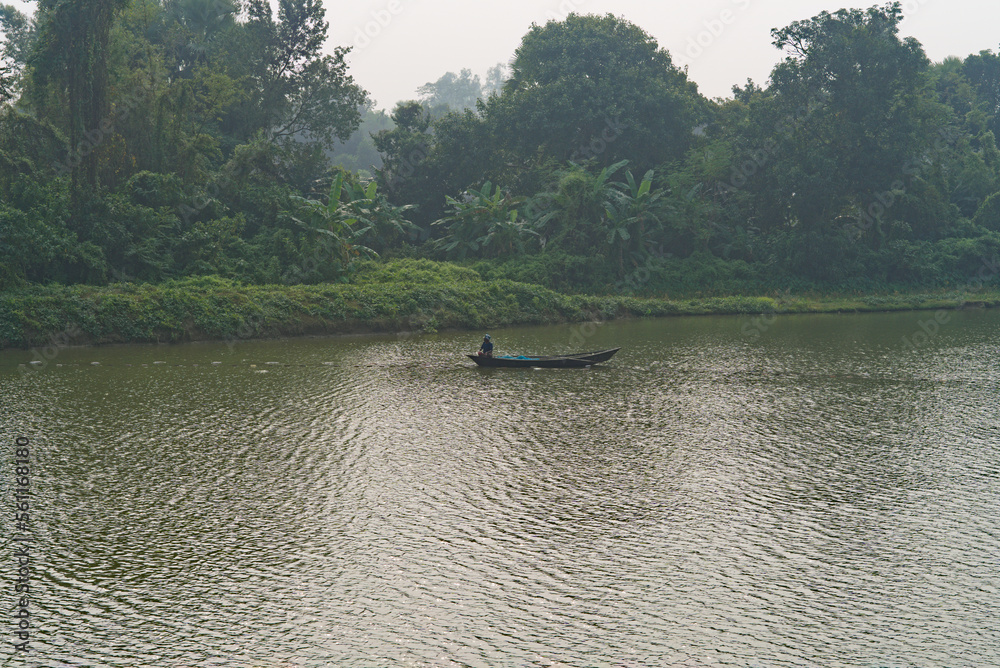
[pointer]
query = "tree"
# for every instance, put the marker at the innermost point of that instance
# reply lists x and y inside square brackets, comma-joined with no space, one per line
[405,150]
[18,35]
[383,223]
[18,39]
[295,92]
[982,71]
[193,25]
[7,82]
[595,87]
[573,216]
[452,91]
[634,216]
[496,77]
[484,222]
[842,128]
[72,61]
[338,232]
[359,153]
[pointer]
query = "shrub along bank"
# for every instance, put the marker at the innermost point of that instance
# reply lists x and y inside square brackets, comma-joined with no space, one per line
[393,297]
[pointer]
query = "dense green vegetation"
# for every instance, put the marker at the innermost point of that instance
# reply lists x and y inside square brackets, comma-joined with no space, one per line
[398,296]
[146,143]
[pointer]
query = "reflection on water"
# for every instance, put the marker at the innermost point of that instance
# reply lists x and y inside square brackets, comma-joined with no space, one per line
[821,494]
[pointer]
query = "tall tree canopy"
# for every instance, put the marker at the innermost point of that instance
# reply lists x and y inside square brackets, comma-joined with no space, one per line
[453,91]
[846,112]
[295,91]
[982,71]
[151,139]
[596,87]
[18,33]
[71,63]
[587,89]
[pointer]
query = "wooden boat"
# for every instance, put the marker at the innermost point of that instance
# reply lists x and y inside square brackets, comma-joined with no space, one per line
[551,362]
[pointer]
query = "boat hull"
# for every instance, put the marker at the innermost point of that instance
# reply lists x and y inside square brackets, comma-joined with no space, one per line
[578,361]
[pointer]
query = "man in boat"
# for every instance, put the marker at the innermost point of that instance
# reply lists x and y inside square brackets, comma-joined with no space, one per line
[486,350]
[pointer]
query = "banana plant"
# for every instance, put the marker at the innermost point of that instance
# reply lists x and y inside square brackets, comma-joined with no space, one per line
[484,222]
[633,216]
[384,223]
[508,236]
[336,225]
[576,208]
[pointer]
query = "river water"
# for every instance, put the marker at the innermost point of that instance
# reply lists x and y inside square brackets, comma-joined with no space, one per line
[794,491]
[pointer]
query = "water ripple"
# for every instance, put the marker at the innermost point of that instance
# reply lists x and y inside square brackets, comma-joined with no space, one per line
[820,496]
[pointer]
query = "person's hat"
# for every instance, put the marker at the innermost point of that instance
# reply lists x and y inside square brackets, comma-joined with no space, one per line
[487,337]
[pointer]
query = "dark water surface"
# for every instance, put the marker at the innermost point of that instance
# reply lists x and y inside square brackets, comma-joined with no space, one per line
[807,491]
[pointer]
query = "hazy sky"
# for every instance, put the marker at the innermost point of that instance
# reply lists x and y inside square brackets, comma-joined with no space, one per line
[402,44]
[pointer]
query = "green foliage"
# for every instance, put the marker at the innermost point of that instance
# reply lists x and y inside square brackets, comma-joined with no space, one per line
[216,308]
[484,222]
[634,220]
[988,215]
[982,73]
[556,270]
[848,72]
[384,224]
[19,33]
[575,211]
[35,243]
[294,90]
[7,83]
[405,149]
[70,83]
[414,272]
[157,140]
[337,228]
[596,86]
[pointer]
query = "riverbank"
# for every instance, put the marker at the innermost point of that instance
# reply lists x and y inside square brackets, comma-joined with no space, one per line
[401,298]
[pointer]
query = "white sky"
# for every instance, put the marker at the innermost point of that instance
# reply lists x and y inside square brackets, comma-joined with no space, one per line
[402,44]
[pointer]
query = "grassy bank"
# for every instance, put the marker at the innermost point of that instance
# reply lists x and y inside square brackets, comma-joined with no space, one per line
[400,296]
